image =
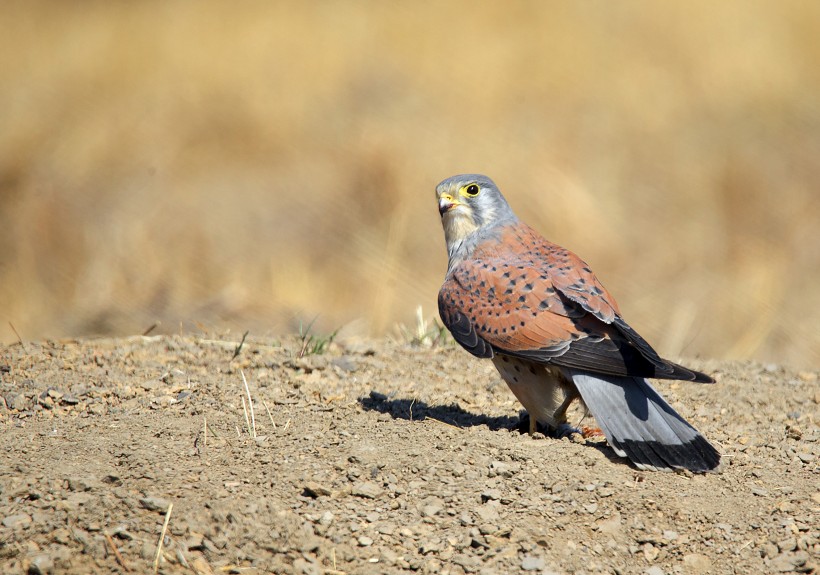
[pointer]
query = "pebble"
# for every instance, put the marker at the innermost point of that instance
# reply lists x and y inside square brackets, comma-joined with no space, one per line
[152,503]
[314,489]
[786,562]
[17,401]
[432,507]
[367,489]
[697,563]
[532,563]
[41,564]
[19,520]
[490,495]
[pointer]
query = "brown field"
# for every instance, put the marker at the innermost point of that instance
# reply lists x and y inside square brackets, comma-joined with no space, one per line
[213,166]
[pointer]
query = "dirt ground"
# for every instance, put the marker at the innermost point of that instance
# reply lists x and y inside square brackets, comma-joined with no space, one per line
[377,457]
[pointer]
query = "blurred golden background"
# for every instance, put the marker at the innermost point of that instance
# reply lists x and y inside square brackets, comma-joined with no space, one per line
[212,165]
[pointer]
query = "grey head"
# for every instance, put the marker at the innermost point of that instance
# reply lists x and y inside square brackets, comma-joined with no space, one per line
[471,208]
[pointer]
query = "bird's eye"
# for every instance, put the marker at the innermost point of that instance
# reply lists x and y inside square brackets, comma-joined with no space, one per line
[471,190]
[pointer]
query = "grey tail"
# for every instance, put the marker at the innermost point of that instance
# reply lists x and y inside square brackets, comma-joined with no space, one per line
[640,425]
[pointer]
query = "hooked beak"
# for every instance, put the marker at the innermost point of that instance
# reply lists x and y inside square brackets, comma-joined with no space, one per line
[446,202]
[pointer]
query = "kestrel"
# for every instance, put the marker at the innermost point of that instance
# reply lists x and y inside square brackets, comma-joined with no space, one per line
[555,333]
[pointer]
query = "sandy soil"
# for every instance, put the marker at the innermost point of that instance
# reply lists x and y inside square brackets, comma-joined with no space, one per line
[377,457]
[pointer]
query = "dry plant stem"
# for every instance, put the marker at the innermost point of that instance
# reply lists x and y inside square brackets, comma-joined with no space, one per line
[238,349]
[151,328]
[162,537]
[273,423]
[116,551]
[250,406]
[247,421]
[20,339]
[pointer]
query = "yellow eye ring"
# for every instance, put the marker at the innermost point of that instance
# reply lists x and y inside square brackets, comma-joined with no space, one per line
[471,190]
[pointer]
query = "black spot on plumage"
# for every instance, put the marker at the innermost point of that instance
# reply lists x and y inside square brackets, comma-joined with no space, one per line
[508,291]
[528,287]
[517,368]
[505,275]
[586,269]
[544,304]
[550,290]
[522,299]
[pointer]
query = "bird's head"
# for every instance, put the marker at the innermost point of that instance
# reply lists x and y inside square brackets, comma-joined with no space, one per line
[470,203]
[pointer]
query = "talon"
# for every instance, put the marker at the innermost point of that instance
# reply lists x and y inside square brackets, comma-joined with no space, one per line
[590,432]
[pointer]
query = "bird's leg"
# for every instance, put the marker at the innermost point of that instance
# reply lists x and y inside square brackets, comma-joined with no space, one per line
[562,428]
[533,423]
[560,415]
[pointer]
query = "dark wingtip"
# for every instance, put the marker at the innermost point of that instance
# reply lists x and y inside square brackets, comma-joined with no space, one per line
[684,373]
[697,455]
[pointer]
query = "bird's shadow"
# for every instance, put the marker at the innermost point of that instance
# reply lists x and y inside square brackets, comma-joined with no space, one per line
[454,414]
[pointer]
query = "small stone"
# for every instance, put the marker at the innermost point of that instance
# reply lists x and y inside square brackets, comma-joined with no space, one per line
[366,489]
[432,508]
[697,563]
[365,541]
[654,570]
[532,563]
[490,495]
[345,363]
[650,552]
[17,401]
[326,518]
[19,520]
[789,544]
[78,484]
[152,503]
[786,562]
[670,535]
[503,469]
[69,399]
[610,526]
[314,489]
[41,564]
[432,546]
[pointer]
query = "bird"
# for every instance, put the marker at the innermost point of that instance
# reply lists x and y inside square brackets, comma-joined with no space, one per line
[555,334]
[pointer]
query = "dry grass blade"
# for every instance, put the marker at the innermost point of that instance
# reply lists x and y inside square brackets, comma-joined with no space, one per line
[20,339]
[116,552]
[252,425]
[238,349]
[151,328]
[162,537]
[272,422]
